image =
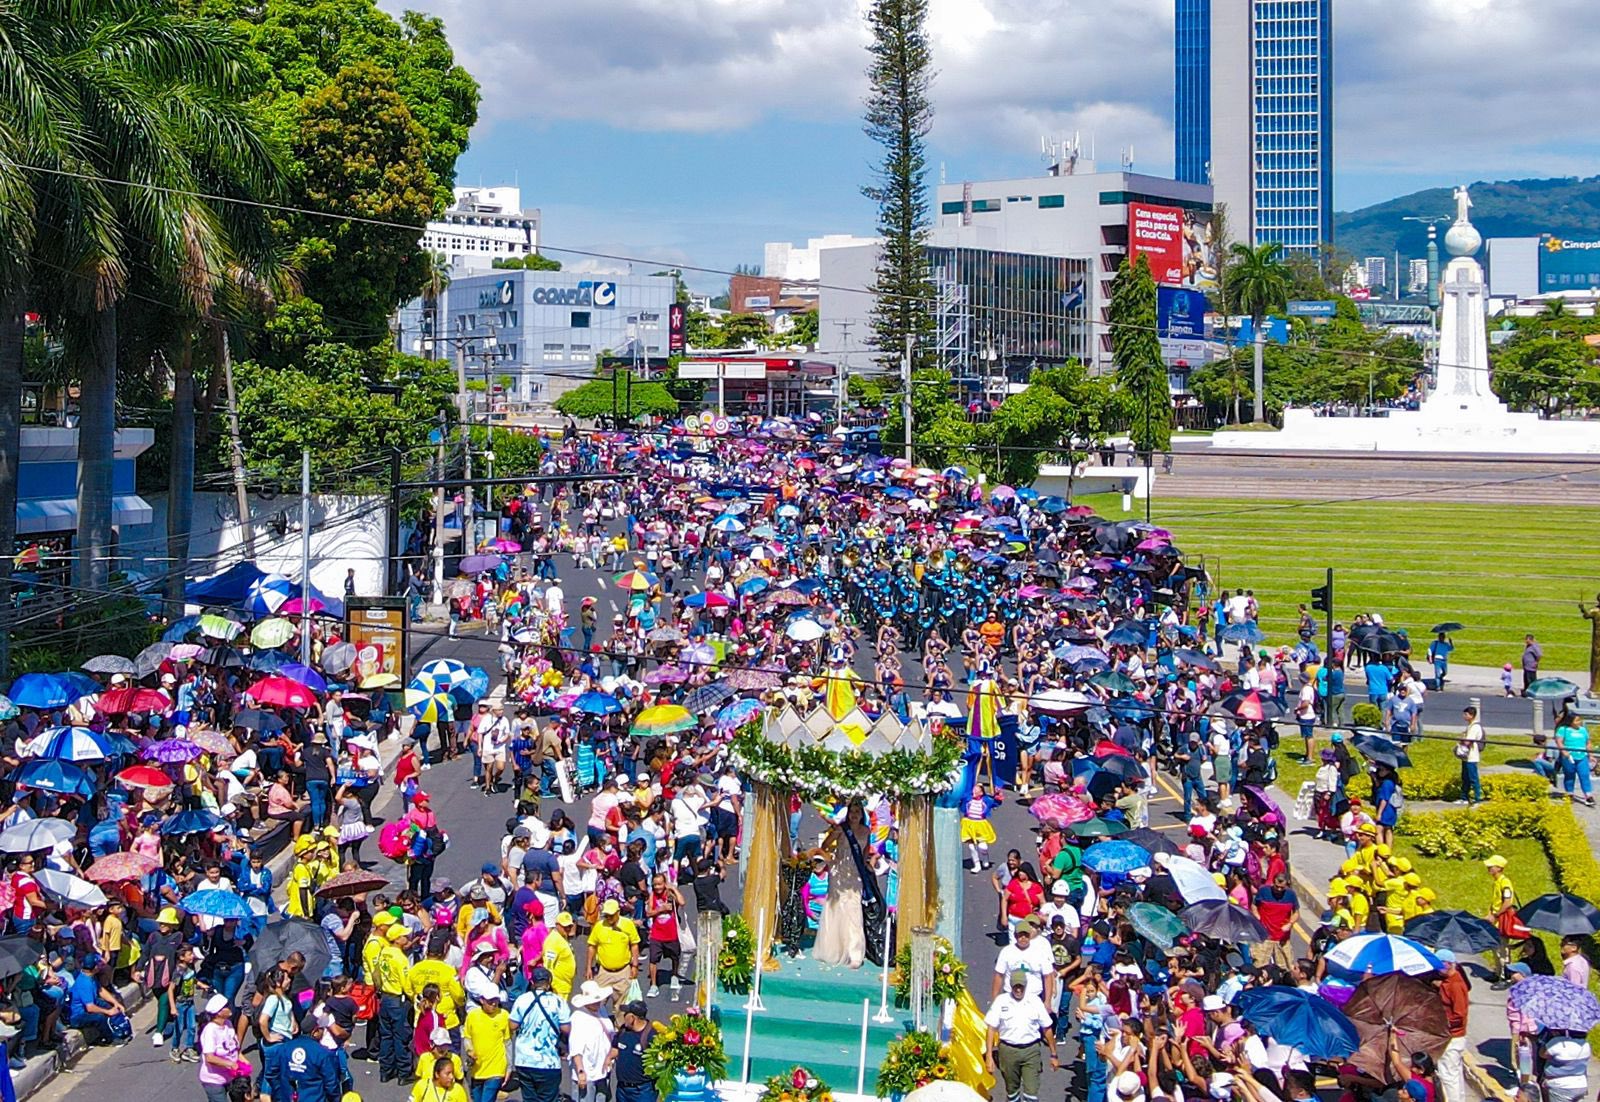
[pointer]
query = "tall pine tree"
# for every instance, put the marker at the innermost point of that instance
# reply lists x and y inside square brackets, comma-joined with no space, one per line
[898,117]
[1136,349]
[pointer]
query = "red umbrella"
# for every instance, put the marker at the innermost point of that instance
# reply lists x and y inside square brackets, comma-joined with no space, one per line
[121,866]
[281,692]
[133,698]
[144,776]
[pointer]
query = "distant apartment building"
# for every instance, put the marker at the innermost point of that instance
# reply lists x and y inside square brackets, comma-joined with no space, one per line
[1376,269]
[1416,276]
[483,225]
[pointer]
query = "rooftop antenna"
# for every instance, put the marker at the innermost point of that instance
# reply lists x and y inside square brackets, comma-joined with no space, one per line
[1050,151]
[941,172]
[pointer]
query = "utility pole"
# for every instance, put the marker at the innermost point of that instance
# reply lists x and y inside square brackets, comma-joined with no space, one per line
[1322,601]
[438,517]
[391,582]
[841,370]
[1149,447]
[462,411]
[905,391]
[305,556]
[241,498]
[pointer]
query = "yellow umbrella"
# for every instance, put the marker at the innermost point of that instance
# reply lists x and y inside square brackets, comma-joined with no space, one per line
[664,719]
[379,681]
[429,707]
[271,634]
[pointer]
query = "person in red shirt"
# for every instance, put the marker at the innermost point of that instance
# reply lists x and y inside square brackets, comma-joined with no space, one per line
[1276,906]
[1024,895]
[408,768]
[28,904]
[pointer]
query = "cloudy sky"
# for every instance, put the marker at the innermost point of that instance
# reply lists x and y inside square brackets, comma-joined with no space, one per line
[692,131]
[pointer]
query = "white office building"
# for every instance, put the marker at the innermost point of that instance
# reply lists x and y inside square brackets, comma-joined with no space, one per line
[1376,269]
[803,263]
[1416,275]
[482,226]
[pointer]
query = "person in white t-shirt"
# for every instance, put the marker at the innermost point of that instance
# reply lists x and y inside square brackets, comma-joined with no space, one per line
[1031,954]
[494,736]
[1057,906]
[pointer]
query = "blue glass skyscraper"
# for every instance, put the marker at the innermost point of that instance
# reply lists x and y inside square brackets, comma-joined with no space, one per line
[1253,114]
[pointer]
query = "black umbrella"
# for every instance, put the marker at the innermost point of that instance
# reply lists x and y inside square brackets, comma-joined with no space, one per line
[706,697]
[1561,913]
[149,660]
[1224,921]
[225,657]
[17,954]
[1381,750]
[254,719]
[278,939]
[1128,634]
[1120,766]
[1152,841]
[1251,707]
[1458,931]
[1198,660]
[109,664]
[1448,626]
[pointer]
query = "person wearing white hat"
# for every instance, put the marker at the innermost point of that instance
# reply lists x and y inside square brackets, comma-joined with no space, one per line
[589,1043]
[219,1049]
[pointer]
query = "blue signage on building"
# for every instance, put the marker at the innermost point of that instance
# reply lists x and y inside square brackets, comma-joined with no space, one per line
[1181,313]
[1308,308]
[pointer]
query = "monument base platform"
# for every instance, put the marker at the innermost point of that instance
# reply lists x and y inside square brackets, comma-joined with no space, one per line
[812,1018]
[1481,432]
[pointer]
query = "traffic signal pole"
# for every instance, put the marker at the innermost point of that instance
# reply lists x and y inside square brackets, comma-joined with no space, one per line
[1322,601]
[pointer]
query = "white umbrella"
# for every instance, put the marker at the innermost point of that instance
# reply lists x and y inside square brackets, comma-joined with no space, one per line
[944,1090]
[1055,701]
[72,890]
[805,631]
[1191,879]
[35,835]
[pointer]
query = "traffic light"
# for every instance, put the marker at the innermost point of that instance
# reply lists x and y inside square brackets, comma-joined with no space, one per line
[1322,596]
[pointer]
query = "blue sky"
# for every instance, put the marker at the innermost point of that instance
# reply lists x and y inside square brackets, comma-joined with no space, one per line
[691,131]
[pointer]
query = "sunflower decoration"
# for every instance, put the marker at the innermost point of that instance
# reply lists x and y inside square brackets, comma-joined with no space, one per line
[914,1060]
[949,973]
[736,963]
[687,1044]
[798,1084]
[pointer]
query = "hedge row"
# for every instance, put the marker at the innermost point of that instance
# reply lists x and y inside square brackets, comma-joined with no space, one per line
[1444,783]
[1476,833]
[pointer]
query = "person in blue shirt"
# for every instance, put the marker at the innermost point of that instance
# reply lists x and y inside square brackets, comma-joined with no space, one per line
[540,1018]
[1379,678]
[1439,654]
[1335,694]
[90,1007]
[307,1071]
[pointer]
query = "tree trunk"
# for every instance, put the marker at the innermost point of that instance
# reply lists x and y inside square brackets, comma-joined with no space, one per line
[13,328]
[1259,406]
[180,478]
[97,432]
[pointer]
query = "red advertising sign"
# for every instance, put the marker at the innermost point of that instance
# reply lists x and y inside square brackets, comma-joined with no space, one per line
[675,329]
[1156,233]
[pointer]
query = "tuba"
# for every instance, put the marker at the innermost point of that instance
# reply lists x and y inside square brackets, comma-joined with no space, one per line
[851,558]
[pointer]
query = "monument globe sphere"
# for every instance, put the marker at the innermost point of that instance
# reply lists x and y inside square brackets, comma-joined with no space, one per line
[1462,239]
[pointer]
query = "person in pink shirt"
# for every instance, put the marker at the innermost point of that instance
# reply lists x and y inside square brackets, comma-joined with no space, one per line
[1574,965]
[533,937]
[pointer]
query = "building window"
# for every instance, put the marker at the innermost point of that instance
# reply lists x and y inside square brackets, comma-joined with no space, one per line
[955,207]
[580,319]
[1052,202]
[984,206]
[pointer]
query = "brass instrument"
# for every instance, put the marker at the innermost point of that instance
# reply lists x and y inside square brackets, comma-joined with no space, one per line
[851,558]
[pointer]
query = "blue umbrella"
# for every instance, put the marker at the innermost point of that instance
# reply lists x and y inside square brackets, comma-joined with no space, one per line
[307,676]
[79,684]
[41,690]
[1116,856]
[70,744]
[216,903]
[1246,632]
[1299,1019]
[1081,657]
[55,776]
[1128,634]
[197,821]
[269,661]
[267,594]
[179,630]
[808,586]
[478,686]
[8,709]
[597,704]
[1053,504]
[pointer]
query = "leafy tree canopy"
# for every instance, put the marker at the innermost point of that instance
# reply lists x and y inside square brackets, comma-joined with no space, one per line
[532,262]
[605,397]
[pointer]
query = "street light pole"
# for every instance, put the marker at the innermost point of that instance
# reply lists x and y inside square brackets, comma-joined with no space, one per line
[305,556]
[905,393]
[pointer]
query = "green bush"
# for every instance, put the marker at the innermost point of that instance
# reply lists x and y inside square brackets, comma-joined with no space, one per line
[1444,783]
[1367,715]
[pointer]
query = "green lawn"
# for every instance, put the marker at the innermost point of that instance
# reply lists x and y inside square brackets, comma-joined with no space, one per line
[1500,569]
[1426,753]
[1464,885]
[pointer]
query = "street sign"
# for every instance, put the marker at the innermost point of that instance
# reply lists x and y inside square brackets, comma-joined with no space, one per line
[1306,308]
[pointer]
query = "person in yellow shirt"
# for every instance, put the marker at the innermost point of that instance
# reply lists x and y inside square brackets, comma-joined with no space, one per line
[326,850]
[486,1032]
[301,883]
[559,957]
[439,1050]
[394,1006]
[373,946]
[1425,901]
[1396,898]
[433,969]
[440,1086]
[1339,903]
[614,952]
[1503,913]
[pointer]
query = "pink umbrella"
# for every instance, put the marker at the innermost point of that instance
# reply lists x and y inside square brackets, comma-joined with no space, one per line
[185,651]
[1028,592]
[1151,544]
[1061,810]
[281,692]
[665,675]
[295,605]
[506,546]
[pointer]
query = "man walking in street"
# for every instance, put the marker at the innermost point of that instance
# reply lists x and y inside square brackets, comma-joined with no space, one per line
[1453,993]
[394,1009]
[1018,1026]
[541,1018]
[1532,655]
[1470,750]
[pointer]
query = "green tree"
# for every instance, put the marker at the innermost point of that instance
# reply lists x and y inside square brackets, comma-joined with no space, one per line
[1136,350]
[1024,433]
[1258,284]
[436,277]
[865,392]
[1093,409]
[804,328]
[899,114]
[531,262]
[1549,374]
[620,395]
[700,330]
[743,331]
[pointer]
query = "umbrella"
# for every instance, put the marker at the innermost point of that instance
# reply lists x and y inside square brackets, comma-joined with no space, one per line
[476,564]
[55,776]
[338,658]
[133,698]
[1060,809]
[664,719]
[430,707]
[1114,682]
[216,903]
[354,882]
[698,654]
[1224,920]
[1128,634]
[1156,924]
[738,713]
[296,606]
[212,742]
[804,630]
[68,744]
[276,940]
[1194,883]
[1152,840]
[268,661]
[1560,913]
[1246,632]
[1257,799]
[1059,701]
[115,867]
[108,664]
[1299,1019]
[380,681]
[790,597]
[34,835]
[17,955]
[1555,1003]
[149,660]
[755,680]
[1251,707]
[1198,660]
[1386,1006]
[73,891]
[1447,627]
[1096,828]
[1458,931]
[254,719]
[1120,766]
[281,692]
[171,751]
[41,691]
[1381,750]
[220,627]
[709,599]
[1380,954]
[268,593]
[144,776]
[197,821]
[666,675]
[307,676]
[1546,688]
[8,709]
[635,580]
[707,698]
[597,704]
[271,634]
[1116,856]
[442,674]
[664,634]
[728,523]
[179,629]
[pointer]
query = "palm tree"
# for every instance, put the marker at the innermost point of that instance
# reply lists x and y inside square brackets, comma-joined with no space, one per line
[436,277]
[1258,281]
[158,103]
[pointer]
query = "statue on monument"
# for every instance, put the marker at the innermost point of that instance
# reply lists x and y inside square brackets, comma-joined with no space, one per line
[1463,203]
[1592,614]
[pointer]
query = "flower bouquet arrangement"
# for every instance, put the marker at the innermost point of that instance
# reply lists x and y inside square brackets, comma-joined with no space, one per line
[913,1060]
[796,1085]
[949,973]
[688,1044]
[737,962]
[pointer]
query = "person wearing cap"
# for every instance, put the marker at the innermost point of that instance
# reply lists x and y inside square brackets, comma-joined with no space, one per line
[439,1051]
[628,1046]
[434,969]
[1018,1024]
[614,951]
[300,884]
[485,1034]
[1031,955]
[558,957]
[1503,913]
[1454,995]
[494,738]
[394,1007]
[159,970]
[442,1083]
[306,1069]
[540,1019]
[219,1049]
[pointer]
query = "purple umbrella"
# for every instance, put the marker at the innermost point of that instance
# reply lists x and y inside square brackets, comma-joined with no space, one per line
[1082,581]
[665,675]
[475,564]
[171,751]
[752,680]
[1555,1003]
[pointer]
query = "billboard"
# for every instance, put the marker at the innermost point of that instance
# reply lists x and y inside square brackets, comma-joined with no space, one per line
[1568,265]
[1180,312]
[675,329]
[1313,308]
[1199,251]
[1156,233]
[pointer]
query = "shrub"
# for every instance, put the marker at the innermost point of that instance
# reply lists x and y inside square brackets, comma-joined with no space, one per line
[736,966]
[913,1060]
[1367,715]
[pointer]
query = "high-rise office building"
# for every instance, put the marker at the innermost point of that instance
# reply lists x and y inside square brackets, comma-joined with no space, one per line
[1416,275]
[1377,268]
[1253,114]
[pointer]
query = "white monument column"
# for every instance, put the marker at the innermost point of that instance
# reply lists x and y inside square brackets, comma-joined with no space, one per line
[1462,390]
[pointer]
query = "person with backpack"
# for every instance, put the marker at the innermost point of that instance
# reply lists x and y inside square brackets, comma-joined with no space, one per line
[542,1021]
[426,847]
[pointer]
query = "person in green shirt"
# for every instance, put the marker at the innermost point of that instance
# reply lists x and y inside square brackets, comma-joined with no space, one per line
[1573,738]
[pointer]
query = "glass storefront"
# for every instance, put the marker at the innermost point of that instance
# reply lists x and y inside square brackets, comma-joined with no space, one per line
[1000,312]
